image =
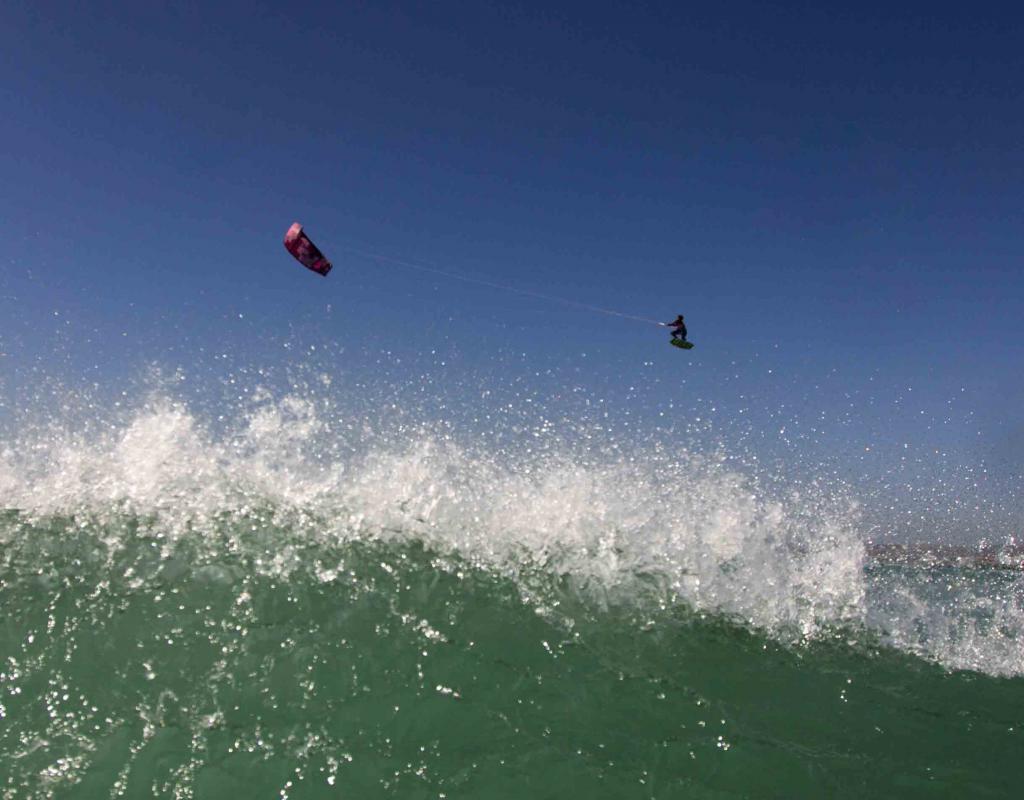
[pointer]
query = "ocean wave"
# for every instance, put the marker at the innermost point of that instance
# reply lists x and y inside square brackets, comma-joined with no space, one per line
[647,522]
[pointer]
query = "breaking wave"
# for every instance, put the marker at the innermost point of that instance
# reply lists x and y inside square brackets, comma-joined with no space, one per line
[649,522]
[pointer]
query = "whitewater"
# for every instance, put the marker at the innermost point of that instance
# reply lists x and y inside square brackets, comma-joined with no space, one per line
[311,592]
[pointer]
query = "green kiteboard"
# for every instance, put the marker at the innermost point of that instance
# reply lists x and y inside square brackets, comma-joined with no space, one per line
[685,345]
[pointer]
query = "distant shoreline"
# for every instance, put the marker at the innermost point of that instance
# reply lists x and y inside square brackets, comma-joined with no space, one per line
[924,554]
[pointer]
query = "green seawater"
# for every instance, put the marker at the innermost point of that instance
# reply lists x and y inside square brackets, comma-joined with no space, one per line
[244,658]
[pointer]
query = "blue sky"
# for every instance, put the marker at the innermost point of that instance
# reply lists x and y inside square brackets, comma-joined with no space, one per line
[832,195]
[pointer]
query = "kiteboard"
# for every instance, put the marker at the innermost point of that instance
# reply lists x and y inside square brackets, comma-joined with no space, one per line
[685,345]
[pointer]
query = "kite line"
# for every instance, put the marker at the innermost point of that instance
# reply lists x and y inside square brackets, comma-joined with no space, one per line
[309,255]
[495,285]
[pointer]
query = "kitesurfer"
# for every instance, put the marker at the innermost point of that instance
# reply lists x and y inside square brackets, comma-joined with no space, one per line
[678,328]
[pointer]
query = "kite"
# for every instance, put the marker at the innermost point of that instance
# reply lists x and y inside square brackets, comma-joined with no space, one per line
[306,253]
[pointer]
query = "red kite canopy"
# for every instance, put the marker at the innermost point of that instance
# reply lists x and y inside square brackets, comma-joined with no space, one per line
[306,253]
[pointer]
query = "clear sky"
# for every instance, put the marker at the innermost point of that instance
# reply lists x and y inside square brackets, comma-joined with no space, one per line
[833,195]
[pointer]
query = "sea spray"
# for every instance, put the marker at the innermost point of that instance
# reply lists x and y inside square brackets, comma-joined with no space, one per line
[599,512]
